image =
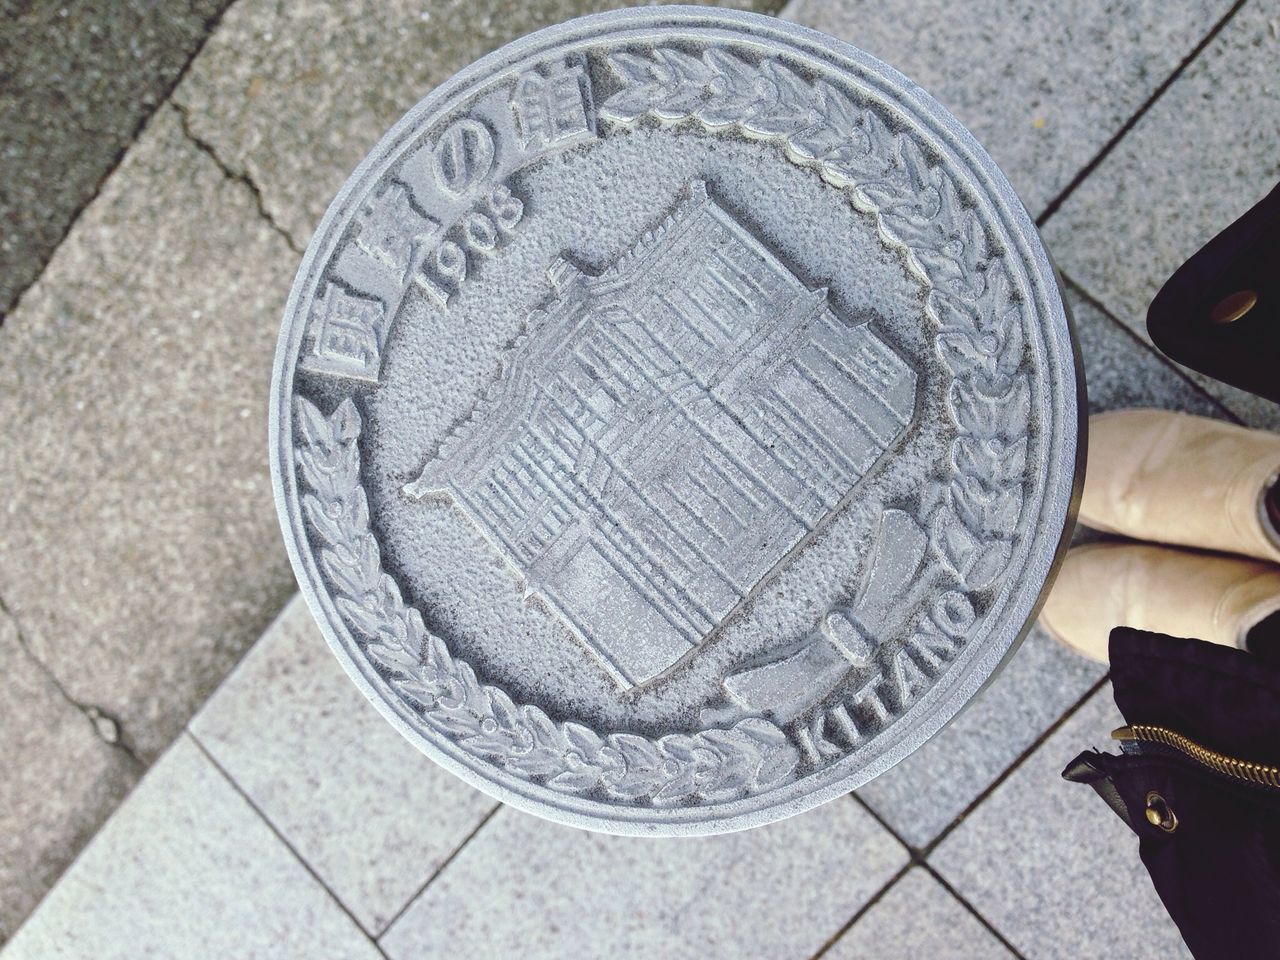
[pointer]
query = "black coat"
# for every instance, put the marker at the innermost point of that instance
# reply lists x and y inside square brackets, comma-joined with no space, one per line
[1199,783]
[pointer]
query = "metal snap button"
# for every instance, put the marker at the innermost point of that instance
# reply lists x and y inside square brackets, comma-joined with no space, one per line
[1160,814]
[1232,307]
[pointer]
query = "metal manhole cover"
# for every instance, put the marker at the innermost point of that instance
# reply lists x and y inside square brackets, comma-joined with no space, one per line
[674,421]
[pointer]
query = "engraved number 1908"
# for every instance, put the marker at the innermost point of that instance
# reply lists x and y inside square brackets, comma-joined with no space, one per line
[444,270]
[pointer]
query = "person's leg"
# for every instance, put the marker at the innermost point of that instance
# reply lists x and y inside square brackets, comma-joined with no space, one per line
[1173,478]
[1182,593]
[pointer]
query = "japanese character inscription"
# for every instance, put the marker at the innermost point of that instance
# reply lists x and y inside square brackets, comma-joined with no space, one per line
[552,105]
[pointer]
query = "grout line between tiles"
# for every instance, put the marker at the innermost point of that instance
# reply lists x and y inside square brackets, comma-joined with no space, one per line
[1128,331]
[875,815]
[1056,203]
[913,858]
[439,870]
[863,910]
[1008,771]
[917,858]
[284,840]
[919,855]
[991,927]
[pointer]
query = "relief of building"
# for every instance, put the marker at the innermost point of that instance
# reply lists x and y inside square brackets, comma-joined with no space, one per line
[666,432]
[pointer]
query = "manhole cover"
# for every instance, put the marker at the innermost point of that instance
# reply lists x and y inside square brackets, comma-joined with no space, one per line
[674,421]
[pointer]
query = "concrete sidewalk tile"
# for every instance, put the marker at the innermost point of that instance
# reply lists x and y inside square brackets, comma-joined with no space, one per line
[186,869]
[918,918]
[294,95]
[57,780]
[1051,866]
[921,795]
[79,76]
[367,810]
[138,540]
[525,887]
[1042,86]
[1204,153]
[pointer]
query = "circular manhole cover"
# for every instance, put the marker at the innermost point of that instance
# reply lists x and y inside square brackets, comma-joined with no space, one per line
[674,421]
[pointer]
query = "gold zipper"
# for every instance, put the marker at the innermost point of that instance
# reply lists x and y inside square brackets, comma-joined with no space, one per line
[1256,773]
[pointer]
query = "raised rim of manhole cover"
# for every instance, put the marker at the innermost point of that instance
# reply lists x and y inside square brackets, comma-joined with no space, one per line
[676,421]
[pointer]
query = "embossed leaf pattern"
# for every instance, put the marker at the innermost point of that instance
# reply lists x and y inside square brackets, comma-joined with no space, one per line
[733,90]
[631,67]
[630,104]
[682,79]
[521,739]
[634,100]
[988,563]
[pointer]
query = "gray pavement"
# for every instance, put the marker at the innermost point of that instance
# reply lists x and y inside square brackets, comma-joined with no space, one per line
[139,554]
[60,780]
[78,79]
[138,549]
[1200,157]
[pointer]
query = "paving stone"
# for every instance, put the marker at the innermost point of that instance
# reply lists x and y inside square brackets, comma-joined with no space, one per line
[138,542]
[368,811]
[58,779]
[1051,866]
[926,791]
[78,79]
[296,94]
[1204,153]
[186,868]
[918,918]
[777,891]
[1042,86]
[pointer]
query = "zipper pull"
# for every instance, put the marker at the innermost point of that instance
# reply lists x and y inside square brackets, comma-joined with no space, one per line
[1130,742]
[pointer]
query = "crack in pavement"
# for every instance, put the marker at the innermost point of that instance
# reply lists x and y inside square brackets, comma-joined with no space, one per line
[238,176]
[105,725]
[15,299]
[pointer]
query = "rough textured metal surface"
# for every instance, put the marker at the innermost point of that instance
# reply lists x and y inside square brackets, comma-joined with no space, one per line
[675,421]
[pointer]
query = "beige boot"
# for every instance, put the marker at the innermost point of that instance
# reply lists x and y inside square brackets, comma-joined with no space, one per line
[1182,593]
[1175,478]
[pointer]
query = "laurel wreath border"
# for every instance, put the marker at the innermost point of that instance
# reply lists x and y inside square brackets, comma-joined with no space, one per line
[971,518]
[974,512]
